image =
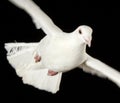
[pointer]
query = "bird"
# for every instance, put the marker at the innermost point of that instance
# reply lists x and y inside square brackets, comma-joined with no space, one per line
[41,64]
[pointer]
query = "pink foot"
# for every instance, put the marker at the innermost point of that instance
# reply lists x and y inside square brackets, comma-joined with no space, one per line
[52,73]
[37,58]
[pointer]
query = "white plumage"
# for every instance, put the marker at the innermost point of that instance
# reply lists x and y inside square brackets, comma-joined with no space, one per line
[41,64]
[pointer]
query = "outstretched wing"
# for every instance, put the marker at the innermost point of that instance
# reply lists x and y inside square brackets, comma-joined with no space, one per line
[99,68]
[40,19]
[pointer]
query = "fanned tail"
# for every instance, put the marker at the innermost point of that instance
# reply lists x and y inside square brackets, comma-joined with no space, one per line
[39,79]
[21,57]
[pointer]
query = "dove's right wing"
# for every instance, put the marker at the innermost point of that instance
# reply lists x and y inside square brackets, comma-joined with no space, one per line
[40,19]
[99,68]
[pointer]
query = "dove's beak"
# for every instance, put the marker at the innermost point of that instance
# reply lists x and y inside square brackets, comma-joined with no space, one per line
[87,41]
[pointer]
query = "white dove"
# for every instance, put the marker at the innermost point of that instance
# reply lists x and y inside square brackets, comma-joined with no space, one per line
[42,64]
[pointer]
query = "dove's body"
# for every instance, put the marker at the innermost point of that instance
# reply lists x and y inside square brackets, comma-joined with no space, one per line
[62,52]
[57,52]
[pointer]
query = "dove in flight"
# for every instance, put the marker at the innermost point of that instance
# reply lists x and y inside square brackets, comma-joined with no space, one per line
[41,64]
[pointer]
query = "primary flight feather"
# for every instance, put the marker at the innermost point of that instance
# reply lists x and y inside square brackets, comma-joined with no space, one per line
[42,64]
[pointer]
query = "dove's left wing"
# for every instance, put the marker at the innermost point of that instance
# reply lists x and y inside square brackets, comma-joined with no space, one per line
[40,19]
[95,66]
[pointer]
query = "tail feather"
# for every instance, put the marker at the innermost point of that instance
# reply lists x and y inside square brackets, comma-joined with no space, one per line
[22,60]
[95,66]
[40,80]
[15,48]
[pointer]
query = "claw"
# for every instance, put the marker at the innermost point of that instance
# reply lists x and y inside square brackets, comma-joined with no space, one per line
[37,58]
[52,73]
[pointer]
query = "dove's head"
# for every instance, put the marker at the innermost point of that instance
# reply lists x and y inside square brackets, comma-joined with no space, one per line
[85,33]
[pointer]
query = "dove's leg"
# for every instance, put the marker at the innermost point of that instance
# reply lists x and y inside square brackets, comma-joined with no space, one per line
[37,58]
[52,73]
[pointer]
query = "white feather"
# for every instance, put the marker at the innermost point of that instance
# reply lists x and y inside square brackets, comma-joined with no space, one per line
[32,73]
[95,66]
[40,19]
[59,51]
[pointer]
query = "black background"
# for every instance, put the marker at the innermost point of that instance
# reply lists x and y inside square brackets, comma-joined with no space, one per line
[76,85]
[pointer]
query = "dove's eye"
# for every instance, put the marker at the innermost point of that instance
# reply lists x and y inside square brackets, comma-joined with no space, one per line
[80,31]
